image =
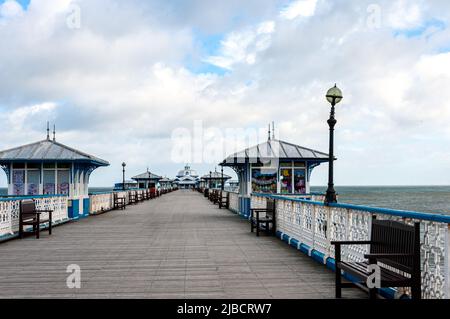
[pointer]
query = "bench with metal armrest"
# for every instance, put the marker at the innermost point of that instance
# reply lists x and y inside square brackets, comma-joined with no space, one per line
[395,248]
[30,216]
[264,217]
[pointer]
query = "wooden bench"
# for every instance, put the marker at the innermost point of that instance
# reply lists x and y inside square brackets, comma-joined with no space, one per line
[30,216]
[132,199]
[395,248]
[224,201]
[264,216]
[119,201]
[214,196]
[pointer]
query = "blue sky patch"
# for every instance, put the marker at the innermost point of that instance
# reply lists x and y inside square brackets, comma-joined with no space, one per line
[421,30]
[200,67]
[23,3]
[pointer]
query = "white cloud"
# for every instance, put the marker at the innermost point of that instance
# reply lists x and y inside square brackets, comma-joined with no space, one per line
[405,14]
[243,46]
[300,8]
[119,86]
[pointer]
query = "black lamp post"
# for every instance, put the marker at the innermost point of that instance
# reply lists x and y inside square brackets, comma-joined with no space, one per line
[123,175]
[334,96]
[222,187]
[210,179]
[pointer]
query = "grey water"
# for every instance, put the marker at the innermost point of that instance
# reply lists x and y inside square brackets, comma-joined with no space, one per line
[426,199]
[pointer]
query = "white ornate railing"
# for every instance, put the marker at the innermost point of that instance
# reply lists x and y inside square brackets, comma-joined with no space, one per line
[234,202]
[101,202]
[316,225]
[10,209]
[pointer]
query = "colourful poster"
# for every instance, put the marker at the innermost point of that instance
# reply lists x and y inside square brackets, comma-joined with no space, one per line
[300,181]
[63,189]
[286,180]
[18,182]
[264,181]
[49,189]
[33,189]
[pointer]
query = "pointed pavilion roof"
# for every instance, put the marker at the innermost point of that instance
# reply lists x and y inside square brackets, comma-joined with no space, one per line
[275,149]
[147,176]
[216,175]
[48,150]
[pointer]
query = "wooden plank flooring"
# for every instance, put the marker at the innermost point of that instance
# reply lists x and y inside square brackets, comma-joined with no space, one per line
[177,246]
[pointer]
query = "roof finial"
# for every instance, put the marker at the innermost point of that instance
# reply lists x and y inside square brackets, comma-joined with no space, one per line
[269,132]
[273,130]
[54,133]
[48,130]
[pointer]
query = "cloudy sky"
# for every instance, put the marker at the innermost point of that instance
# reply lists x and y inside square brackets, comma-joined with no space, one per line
[119,78]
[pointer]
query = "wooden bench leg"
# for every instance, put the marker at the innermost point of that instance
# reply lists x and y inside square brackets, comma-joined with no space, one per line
[38,228]
[338,282]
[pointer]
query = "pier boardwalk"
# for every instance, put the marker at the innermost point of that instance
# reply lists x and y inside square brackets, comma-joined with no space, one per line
[177,246]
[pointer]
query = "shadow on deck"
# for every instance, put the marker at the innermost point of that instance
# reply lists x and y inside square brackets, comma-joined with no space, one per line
[177,246]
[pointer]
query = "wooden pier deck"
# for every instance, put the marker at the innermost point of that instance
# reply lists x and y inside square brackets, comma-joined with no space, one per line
[177,246]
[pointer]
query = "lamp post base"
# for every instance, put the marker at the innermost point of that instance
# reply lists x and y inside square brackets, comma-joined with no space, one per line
[330,197]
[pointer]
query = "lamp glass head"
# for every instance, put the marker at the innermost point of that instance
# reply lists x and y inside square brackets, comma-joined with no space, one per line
[334,95]
[123,164]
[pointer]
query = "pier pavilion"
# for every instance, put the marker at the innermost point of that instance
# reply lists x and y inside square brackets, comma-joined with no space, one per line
[50,168]
[147,180]
[273,167]
[214,179]
[187,178]
[165,183]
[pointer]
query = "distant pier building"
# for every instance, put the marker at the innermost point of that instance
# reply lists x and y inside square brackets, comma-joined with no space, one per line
[166,183]
[214,179]
[50,168]
[147,180]
[187,178]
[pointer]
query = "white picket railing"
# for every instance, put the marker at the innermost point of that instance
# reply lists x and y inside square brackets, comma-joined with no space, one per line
[10,209]
[102,202]
[316,225]
[234,202]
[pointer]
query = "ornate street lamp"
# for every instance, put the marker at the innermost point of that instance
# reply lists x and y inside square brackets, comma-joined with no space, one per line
[334,96]
[123,175]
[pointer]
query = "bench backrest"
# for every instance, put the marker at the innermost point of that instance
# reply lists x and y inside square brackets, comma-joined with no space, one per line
[270,206]
[392,237]
[27,207]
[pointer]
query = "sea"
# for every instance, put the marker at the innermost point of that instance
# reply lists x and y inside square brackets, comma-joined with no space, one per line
[426,199]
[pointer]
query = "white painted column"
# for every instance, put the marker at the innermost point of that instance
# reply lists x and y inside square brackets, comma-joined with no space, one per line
[41,180]
[10,183]
[25,190]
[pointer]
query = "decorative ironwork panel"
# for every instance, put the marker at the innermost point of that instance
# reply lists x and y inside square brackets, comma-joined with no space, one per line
[321,221]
